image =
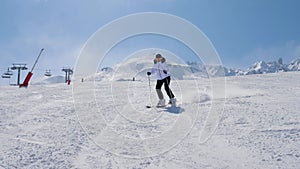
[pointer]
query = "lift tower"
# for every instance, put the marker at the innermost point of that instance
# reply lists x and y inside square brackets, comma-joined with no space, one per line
[19,67]
[68,72]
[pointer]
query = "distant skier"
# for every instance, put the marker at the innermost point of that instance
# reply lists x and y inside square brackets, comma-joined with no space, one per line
[161,69]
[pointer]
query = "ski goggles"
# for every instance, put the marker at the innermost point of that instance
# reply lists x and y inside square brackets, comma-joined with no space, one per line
[158,59]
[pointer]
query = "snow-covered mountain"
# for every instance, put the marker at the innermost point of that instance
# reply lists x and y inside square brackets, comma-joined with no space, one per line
[102,75]
[262,67]
[49,80]
[137,67]
[294,65]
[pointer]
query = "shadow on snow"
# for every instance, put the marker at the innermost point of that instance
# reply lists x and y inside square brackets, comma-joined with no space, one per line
[174,110]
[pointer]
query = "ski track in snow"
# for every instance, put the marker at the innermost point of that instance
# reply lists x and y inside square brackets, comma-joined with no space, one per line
[260,127]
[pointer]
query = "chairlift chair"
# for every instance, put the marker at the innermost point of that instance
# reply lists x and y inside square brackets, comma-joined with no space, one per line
[48,73]
[5,76]
[8,72]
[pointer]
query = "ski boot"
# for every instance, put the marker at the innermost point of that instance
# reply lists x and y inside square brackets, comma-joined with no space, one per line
[161,103]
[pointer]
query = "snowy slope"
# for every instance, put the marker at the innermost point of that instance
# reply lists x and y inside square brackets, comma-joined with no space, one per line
[259,129]
[105,74]
[137,67]
[49,80]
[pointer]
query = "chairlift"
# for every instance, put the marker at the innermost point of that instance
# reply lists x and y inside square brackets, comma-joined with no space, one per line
[8,72]
[48,73]
[5,76]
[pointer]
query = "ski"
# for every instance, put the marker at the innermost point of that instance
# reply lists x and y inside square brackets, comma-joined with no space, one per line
[155,106]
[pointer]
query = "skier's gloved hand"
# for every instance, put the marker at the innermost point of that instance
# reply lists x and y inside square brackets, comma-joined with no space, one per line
[155,61]
[165,71]
[148,73]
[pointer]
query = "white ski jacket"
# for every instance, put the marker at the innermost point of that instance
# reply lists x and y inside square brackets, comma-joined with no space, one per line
[159,68]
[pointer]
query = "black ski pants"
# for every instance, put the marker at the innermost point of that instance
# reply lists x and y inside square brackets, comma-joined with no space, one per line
[166,81]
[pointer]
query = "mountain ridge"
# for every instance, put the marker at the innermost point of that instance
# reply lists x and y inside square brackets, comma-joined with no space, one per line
[135,69]
[194,70]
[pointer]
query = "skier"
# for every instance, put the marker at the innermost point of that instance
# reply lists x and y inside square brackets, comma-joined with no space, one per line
[160,67]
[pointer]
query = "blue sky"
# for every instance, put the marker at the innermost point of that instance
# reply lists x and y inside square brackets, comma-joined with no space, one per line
[242,31]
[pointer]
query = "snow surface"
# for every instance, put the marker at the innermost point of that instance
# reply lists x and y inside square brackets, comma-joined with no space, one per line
[49,80]
[260,128]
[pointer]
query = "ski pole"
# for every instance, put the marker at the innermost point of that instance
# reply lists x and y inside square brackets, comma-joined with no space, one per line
[149,106]
[149,83]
